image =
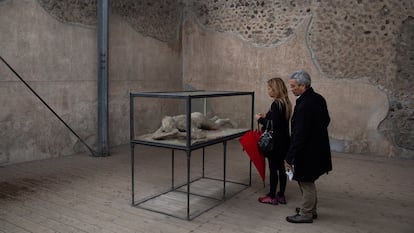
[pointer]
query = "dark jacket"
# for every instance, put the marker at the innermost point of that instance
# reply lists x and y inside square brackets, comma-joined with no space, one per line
[309,150]
[281,137]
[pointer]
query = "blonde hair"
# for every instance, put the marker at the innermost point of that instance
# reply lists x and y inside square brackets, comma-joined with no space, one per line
[280,90]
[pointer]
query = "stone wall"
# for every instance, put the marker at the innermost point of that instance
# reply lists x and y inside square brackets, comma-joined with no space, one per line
[359,53]
[53,45]
[348,44]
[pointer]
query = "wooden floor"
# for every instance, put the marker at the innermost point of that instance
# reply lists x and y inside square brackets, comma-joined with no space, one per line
[87,194]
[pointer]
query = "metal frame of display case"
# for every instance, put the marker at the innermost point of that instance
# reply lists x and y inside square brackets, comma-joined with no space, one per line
[188,147]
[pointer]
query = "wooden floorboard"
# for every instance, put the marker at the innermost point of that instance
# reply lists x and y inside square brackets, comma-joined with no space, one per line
[8,227]
[81,193]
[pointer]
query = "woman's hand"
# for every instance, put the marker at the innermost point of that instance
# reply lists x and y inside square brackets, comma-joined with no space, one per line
[259,115]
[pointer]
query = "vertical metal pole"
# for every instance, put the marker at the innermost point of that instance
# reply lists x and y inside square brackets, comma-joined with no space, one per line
[188,109]
[172,169]
[251,126]
[252,116]
[103,78]
[188,183]
[131,136]
[133,173]
[188,121]
[203,175]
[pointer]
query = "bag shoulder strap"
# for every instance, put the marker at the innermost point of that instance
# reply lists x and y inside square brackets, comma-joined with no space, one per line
[271,125]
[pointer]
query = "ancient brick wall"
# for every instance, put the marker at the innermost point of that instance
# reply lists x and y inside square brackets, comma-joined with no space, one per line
[349,41]
[158,19]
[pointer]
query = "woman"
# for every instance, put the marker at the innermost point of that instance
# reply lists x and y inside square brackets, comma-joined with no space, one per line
[279,113]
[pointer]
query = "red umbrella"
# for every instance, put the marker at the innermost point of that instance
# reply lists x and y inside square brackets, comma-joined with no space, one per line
[249,143]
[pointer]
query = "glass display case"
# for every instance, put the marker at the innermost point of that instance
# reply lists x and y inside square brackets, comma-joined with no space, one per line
[188,121]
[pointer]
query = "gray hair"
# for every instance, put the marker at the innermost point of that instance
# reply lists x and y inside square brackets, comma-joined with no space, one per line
[302,77]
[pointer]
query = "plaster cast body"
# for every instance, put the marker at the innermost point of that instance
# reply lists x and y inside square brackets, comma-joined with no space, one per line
[175,126]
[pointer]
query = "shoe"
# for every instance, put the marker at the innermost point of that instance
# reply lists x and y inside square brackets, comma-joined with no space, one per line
[281,199]
[268,200]
[298,219]
[314,215]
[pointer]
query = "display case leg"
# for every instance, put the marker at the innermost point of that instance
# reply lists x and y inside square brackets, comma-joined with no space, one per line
[172,169]
[203,162]
[188,183]
[250,173]
[132,173]
[224,168]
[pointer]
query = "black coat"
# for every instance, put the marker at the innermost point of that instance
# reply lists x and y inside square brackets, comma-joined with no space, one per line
[309,150]
[281,137]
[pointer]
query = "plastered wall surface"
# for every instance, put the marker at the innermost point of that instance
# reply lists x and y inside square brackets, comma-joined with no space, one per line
[359,54]
[138,63]
[59,61]
[368,45]
[252,67]
[56,60]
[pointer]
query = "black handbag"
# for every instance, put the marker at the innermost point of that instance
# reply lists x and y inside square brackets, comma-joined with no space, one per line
[266,140]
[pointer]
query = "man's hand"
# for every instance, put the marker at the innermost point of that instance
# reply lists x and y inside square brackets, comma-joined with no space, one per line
[288,166]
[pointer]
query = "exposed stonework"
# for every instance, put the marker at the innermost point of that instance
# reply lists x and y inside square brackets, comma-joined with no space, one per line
[372,40]
[156,18]
[72,11]
[262,22]
[400,121]
[350,41]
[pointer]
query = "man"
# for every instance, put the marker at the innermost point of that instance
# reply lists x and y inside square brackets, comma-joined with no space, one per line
[309,155]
